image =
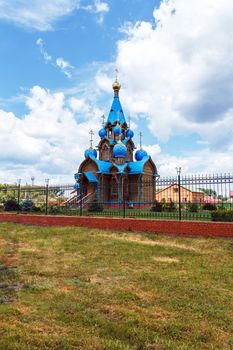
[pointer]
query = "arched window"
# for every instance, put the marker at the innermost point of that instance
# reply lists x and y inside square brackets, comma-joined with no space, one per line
[114,190]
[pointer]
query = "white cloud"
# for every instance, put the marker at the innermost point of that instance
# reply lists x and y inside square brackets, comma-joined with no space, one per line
[179,70]
[103,81]
[200,162]
[44,53]
[42,16]
[37,14]
[49,141]
[153,150]
[65,66]
[79,105]
[100,8]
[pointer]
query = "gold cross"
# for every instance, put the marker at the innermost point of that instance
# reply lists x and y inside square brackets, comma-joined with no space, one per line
[116,70]
[103,117]
[140,135]
[91,140]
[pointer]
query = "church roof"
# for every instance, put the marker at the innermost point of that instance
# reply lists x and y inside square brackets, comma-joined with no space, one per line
[90,177]
[121,168]
[103,166]
[116,113]
[135,167]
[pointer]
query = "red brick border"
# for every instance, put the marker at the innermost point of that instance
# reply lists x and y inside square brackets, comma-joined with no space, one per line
[184,228]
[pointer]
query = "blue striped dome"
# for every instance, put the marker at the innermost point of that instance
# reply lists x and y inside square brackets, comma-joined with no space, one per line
[140,154]
[90,152]
[117,130]
[130,133]
[119,150]
[102,133]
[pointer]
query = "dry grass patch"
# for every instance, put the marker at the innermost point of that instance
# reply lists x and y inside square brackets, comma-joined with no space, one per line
[137,238]
[89,289]
[165,259]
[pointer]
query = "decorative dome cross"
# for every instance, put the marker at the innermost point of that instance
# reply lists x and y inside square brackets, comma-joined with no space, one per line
[140,135]
[103,117]
[91,139]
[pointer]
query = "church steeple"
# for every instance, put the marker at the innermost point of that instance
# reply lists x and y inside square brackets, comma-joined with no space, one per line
[116,113]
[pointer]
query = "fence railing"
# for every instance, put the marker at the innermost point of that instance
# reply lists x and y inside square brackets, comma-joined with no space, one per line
[199,197]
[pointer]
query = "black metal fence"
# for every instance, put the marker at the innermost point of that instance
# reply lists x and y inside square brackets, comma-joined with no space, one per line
[199,197]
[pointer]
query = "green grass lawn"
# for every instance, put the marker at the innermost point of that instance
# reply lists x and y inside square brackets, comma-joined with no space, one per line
[75,288]
[201,215]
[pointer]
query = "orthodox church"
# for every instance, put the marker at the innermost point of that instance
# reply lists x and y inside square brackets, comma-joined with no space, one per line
[109,170]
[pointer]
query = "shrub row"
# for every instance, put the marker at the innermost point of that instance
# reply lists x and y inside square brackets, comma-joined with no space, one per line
[26,205]
[191,207]
[222,215]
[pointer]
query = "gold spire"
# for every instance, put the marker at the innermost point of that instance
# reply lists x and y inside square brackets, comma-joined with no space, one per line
[116,85]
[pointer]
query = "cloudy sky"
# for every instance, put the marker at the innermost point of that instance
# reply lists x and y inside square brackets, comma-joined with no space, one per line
[175,62]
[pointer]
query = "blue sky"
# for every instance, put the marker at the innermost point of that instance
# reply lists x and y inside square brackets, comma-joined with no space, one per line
[57,66]
[78,37]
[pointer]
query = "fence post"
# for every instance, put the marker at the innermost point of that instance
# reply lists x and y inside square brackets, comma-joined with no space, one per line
[124,204]
[81,201]
[179,194]
[46,196]
[18,195]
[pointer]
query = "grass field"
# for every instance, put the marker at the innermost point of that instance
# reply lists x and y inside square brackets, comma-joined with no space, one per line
[201,215]
[74,288]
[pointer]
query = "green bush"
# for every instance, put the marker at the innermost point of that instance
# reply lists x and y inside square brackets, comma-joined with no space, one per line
[209,206]
[193,207]
[36,208]
[171,207]
[95,206]
[222,215]
[157,206]
[27,205]
[11,205]
[55,209]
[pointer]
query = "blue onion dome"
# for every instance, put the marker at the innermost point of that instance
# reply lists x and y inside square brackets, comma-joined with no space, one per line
[140,154]
[77,186]
[119,150]
[90,152]
[102,133]
[117,130]
[130,133]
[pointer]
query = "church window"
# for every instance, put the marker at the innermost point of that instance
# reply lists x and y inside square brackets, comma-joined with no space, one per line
[114,190]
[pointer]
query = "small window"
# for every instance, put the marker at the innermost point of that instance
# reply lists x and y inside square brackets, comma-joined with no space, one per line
[175,189]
